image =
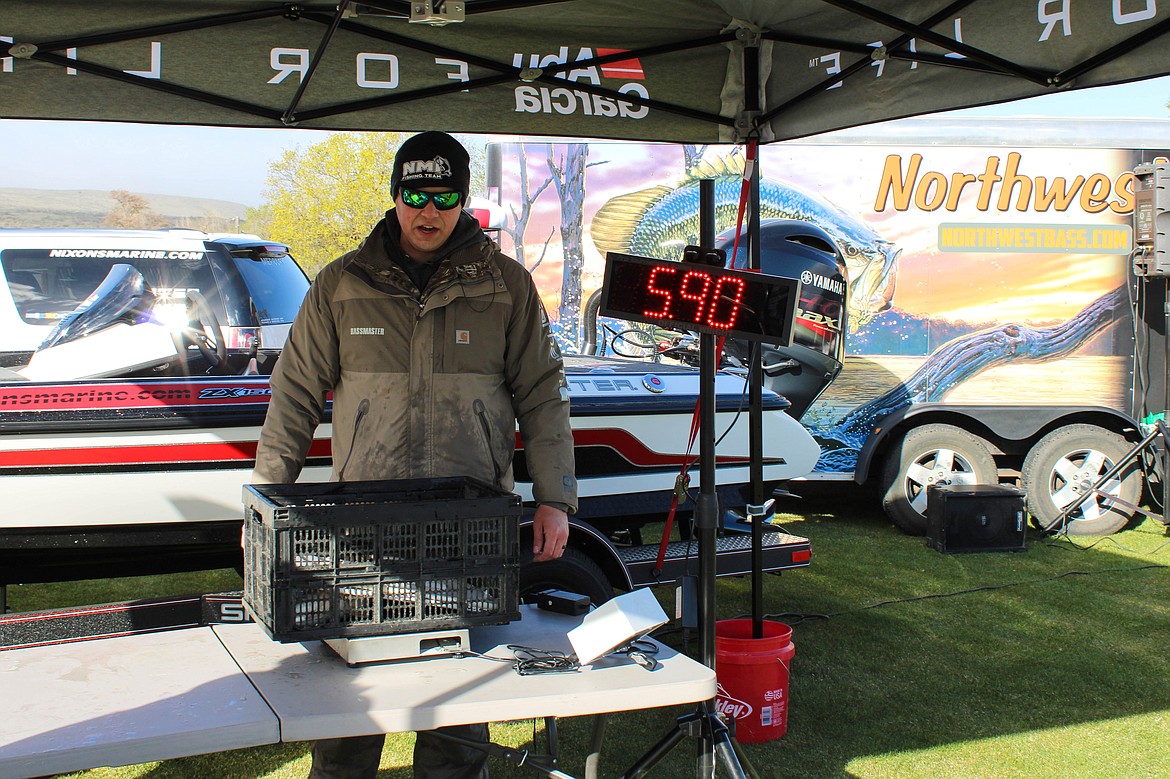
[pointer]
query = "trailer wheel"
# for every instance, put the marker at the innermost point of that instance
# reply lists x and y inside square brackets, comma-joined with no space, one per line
[1068,462]
[573,572]
[931,454]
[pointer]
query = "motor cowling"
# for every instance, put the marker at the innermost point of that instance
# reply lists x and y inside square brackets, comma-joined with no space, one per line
[799,250]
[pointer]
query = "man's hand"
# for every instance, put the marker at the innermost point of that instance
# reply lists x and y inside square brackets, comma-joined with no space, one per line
[550,533]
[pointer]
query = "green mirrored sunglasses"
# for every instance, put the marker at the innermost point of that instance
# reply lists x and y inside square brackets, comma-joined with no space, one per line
[444,201]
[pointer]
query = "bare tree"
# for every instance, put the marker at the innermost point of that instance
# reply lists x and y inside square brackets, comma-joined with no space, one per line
[131,211]
[519,221]
[568,173]
[692,154]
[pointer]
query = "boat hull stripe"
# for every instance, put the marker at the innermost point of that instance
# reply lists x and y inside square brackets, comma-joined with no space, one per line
[235,453]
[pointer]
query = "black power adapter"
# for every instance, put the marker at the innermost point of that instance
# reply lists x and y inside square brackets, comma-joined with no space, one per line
[563,602]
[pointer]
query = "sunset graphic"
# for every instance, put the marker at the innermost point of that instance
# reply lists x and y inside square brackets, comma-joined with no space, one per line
[972,287]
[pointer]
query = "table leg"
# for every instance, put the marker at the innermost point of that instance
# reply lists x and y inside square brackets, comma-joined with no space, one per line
[593,759]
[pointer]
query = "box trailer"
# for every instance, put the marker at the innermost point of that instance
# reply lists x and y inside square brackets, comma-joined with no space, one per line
[994,330]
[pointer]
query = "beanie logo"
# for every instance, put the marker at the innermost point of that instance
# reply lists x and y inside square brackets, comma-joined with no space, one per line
[438,167]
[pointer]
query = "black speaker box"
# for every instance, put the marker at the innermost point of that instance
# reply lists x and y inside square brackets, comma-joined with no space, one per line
[976,518]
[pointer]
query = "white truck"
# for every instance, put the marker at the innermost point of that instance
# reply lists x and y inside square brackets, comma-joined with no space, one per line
[994,329]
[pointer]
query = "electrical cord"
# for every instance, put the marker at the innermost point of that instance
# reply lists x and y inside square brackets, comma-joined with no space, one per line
[1070,545]
[792,619]
[641,651]
[529,661]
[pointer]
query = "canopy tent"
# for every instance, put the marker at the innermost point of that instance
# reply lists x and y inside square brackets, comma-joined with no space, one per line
[667,71]
[694,71]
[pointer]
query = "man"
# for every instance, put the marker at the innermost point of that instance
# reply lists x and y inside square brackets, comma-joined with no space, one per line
[435,345]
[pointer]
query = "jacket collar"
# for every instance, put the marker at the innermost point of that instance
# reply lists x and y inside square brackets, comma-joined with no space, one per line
[466,255]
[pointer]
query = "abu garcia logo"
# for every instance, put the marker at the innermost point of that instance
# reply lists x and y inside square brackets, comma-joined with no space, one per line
[542,99]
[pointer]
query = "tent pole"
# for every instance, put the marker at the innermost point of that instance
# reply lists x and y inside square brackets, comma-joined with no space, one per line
[756,511]
[289,112]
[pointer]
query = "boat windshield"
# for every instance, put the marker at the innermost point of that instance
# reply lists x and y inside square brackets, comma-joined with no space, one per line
[123,296]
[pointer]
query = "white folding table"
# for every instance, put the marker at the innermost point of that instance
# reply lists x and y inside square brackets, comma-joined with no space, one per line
[126,700]
[164,695]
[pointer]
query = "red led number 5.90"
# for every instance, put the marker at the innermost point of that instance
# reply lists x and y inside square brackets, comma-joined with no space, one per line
[695,296]
[703,298]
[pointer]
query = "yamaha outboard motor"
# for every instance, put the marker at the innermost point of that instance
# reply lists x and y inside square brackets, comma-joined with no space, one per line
[799,250]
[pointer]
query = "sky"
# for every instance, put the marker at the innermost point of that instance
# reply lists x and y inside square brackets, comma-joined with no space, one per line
[232,163]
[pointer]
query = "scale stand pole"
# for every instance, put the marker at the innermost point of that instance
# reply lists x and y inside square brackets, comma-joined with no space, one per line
[706,521]
[704,724]
[1161,451]
[714,739]
[707,517]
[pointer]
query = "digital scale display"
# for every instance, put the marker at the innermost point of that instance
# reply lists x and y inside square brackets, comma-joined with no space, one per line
[703,298]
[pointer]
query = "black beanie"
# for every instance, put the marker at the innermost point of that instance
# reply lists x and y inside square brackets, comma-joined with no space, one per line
[431,159]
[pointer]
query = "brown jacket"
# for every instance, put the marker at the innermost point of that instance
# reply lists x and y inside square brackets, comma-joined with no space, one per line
[424,384]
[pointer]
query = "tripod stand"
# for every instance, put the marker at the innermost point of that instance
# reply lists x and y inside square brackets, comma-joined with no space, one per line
[704,724]
[1158,437]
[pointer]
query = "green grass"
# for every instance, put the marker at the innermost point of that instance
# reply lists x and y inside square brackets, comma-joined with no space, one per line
[909,663]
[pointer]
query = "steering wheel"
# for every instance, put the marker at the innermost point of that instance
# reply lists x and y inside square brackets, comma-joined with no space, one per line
[633,343]
[204,330]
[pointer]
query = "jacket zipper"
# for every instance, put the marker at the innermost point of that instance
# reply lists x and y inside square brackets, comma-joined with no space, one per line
[362,408]
[481,412]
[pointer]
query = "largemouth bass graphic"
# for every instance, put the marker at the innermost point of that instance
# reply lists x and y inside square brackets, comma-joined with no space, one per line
[661,220]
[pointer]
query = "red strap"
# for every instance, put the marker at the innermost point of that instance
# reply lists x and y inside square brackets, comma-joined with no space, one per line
[744,191]
[680,483]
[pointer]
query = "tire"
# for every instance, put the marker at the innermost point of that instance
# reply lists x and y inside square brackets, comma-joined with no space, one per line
[573,572]
[927,455]
[1070,460]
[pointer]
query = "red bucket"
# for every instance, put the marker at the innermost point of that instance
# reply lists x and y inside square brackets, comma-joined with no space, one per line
[752,677]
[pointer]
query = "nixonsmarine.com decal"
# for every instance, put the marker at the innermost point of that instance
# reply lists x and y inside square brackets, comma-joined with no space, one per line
[76,397]
[126,254]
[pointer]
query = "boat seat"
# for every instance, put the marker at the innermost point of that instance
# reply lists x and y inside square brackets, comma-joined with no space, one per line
[24,278]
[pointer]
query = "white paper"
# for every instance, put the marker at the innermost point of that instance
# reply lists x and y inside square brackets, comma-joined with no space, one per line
[615,623]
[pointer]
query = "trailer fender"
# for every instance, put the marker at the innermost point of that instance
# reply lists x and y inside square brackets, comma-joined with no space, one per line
[590,542]
[1003,426]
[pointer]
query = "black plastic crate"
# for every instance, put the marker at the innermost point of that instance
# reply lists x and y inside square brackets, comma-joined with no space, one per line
[352,559]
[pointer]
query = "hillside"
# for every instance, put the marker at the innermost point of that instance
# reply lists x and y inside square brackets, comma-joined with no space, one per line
[87,207]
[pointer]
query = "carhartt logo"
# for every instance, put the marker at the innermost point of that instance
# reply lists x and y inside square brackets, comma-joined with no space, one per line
[367,331]
[439,167]
[463,337]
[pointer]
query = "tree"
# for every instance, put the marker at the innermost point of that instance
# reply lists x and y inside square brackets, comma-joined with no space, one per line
[324,199]
[132,212]
[692,154]
[568,173]
[518,223]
